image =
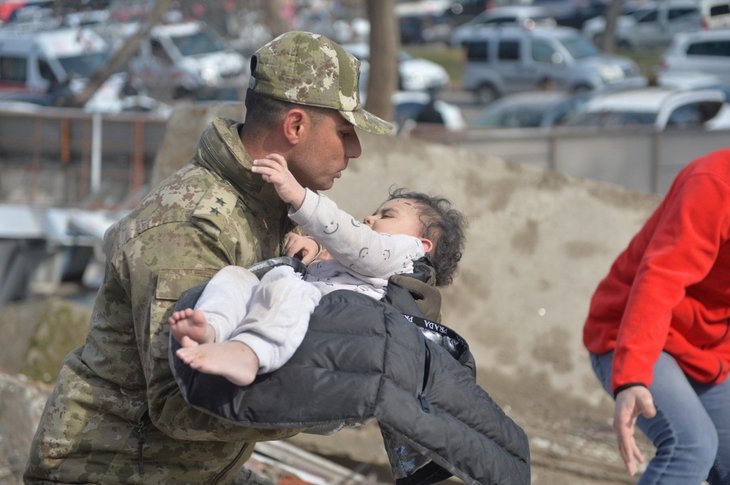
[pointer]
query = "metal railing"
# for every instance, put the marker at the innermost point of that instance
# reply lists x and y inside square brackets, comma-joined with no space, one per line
[63,156]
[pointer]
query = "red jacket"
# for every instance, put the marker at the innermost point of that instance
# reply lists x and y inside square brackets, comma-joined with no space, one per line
[670,288]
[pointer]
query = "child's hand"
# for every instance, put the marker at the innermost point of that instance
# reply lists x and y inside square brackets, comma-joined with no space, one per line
[274,170]
[304,247]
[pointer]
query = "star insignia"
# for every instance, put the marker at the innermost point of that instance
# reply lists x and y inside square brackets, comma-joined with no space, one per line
[214,210]
[220,201]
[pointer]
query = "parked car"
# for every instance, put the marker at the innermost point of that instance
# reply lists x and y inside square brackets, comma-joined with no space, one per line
[530,109]
[408,105]
[572,13]
[498,17]
[652,25]
[414,74]
[188,59]
[705,52]
[656,106]
[45,66]
[513,59]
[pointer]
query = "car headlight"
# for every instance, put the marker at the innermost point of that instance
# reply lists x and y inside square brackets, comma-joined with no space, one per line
[611,73]
[210,75]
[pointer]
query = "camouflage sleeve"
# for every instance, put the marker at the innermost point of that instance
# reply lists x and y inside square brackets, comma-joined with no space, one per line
[159,265]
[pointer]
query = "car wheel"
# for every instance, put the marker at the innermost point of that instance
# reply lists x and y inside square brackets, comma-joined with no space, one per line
[486,93]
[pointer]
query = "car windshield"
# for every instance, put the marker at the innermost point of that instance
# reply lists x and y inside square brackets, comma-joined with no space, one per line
[511,117]
[613,119]
[578,46]
[640,13]
[201,42]
[84,65]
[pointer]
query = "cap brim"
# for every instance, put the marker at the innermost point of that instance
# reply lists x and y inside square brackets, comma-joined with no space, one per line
[368,122]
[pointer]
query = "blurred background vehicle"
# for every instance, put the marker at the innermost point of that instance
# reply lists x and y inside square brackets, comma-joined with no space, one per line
[650,25]
[48,66]
[513,59]
[572,13]
[414,107]
[530,109]
[414,74]
[498,17]
[705,52]
[189,60]
[715,14]
[654,106]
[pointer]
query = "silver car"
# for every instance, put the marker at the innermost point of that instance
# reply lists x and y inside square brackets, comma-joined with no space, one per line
[514,59]
[706,51]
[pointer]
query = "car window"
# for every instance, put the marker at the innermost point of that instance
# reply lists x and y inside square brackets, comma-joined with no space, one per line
[693,114]
[200,42]
[723,9]
[13,69]
[676,13]
[578,46]
[541,51]
[715,48]
[500,20]
[646,16]
[45,71]
[508,50]
[84,65]
[477,51]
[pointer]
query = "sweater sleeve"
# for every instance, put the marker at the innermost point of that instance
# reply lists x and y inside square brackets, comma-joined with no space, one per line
[354,244]
[692,226]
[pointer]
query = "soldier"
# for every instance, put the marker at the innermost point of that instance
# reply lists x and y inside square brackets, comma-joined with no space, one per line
[116,414]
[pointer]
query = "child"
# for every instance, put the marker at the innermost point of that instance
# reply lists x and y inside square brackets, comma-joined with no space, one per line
[242,327]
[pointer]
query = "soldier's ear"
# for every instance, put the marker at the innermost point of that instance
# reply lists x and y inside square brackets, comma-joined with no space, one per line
[293,125]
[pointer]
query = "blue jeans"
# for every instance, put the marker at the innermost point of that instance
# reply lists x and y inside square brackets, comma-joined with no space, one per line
[691,430]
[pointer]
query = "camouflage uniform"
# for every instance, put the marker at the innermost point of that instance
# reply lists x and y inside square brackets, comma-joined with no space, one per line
[116,414]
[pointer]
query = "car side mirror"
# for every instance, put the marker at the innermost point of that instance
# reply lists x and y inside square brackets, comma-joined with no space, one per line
[557,58]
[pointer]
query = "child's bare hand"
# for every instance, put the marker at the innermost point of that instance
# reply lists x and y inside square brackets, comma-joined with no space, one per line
[304,247]
[275,171]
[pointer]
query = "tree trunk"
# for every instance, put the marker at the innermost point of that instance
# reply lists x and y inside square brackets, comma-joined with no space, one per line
[384,47]
[609,35]
[121,57]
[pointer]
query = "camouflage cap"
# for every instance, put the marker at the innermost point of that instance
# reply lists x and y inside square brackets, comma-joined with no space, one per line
[310,69]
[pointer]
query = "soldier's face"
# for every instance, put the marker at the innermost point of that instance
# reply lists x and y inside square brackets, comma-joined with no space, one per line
[324,154]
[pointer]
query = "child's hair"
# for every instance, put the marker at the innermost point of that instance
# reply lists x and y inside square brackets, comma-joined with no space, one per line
[444,226]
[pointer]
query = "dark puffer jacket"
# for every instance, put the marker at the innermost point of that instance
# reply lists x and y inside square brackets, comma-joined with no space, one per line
[362,360]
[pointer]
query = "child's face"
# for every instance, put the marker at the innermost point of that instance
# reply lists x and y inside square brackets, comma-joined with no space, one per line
[397,216]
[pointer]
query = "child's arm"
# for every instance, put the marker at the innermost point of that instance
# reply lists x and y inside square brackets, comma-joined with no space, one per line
[274,170]
[353,243]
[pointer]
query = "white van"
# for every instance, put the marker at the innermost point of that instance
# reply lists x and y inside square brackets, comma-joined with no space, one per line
[513,59]
[653,24]
[189,59]
[36,65]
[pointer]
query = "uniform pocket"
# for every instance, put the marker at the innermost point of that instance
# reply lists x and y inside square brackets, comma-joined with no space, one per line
[171,283]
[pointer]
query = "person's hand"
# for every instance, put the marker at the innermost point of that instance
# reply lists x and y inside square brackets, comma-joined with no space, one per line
[304,247]
[631,403]
[274,170]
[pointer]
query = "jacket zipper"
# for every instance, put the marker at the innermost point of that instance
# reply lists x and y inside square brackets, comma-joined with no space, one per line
[425,406]
[228,467]
[141,440]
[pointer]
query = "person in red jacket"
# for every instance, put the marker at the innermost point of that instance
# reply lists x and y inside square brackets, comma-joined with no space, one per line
[658,331]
